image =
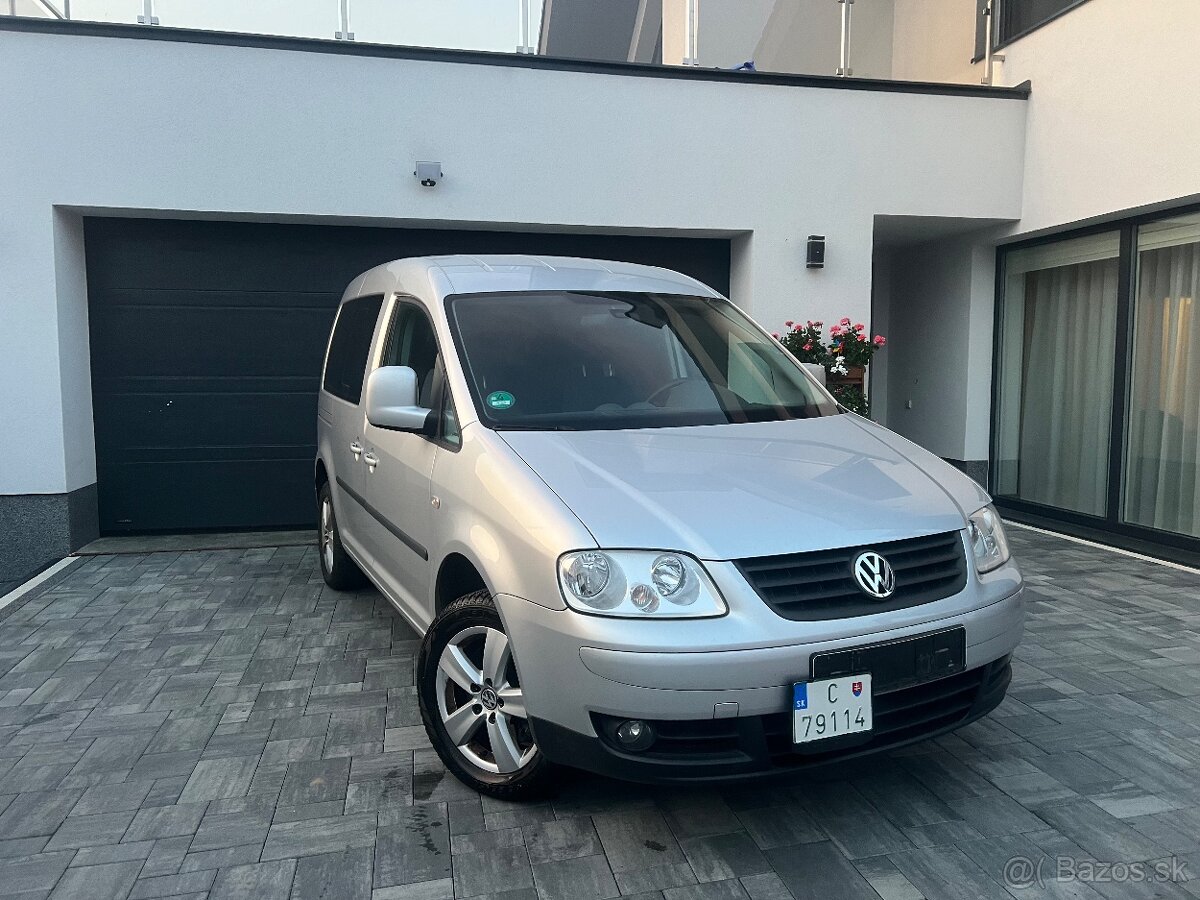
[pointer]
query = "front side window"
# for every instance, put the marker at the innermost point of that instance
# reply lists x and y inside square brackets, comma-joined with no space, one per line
[559,360]
[411,342]
[346,362]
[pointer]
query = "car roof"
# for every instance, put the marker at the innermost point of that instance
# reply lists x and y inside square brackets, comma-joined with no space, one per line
[465,274]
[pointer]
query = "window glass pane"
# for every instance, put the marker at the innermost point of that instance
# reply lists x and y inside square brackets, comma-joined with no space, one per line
[450,430]
[348,348]
[1163,451]
[981,29]
[1019,16]
[1058,328]
[583,361]
[411,342]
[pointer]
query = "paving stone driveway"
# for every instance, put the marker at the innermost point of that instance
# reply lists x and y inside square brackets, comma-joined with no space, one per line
[220,724]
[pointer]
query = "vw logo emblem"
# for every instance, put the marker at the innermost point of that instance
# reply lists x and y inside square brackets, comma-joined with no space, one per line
[488,697]
[874,575]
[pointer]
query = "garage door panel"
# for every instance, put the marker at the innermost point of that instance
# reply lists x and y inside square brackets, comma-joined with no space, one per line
[166,424]
[158,496]
[207,340]
[182,333]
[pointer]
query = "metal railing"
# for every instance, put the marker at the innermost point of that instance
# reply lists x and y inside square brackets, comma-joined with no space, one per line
[463,26]
[385,18]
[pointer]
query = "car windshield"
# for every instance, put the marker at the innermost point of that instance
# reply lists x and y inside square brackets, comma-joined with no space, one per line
[555,360]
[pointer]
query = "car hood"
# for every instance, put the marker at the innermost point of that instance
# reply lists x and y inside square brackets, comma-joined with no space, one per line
[734,491]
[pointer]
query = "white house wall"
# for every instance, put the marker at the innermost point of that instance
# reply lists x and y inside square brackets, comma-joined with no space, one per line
[1114,110]
[97,123]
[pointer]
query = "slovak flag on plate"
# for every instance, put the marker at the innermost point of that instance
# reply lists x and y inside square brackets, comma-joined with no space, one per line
[856,687]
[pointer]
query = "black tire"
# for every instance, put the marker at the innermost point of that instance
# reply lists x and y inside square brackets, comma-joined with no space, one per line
[337,568]
[465,615]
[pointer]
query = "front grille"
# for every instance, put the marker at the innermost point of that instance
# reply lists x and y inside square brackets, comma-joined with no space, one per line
[821,585]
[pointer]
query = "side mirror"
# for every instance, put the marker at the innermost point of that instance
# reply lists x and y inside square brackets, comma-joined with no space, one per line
[816,370]
[392,400]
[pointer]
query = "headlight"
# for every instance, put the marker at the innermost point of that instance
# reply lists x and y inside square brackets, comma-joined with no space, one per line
[638,584]
[988,543]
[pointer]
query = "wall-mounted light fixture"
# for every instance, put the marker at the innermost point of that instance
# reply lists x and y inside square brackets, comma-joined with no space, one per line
[428,173]
[815,258]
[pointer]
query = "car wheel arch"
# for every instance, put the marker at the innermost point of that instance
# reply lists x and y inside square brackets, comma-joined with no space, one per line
[457,576]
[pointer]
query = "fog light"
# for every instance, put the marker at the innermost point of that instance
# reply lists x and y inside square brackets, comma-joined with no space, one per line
[634,734]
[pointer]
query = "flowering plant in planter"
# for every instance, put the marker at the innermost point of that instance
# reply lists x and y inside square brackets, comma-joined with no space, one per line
[851,343]
[845,356]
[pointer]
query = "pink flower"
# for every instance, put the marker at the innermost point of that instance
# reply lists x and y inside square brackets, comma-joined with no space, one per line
[818,324]
[845,320]
[789,323]
[775,334]
[862,338]
[880,340]
[860,327]
[808,346]
[835,331]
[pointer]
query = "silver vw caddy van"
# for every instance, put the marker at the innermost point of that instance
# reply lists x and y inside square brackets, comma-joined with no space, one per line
[639,538]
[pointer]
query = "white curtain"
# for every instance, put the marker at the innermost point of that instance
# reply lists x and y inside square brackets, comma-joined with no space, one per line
[1161,489]
[1067,385]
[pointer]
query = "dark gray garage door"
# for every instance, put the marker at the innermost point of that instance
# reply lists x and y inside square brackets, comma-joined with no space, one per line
[207,340]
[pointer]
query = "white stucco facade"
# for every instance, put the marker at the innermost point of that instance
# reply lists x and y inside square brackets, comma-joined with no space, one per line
[128,126]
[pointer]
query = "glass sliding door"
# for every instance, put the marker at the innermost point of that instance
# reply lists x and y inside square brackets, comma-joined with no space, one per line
[1162,466]
[1056,349]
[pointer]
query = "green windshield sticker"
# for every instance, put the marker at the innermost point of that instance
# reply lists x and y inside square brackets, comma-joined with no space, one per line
[501,400]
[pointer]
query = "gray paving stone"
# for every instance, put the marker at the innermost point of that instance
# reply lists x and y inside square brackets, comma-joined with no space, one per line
[263,881]
[561,839]
[717,890]
[166,821]
[577,878]
[167,856]
[215,779]
[637,839]
[37,813]
[172,885]
[112,797]
[315,781]
[18,847]
[1099,833]
[39,872]
[346,875]
[720,857]
[90,830]
[230,830]
[316,836]
[111,881]
[490,862]
[95,856]
[778,826]
[415,849]
[205,860]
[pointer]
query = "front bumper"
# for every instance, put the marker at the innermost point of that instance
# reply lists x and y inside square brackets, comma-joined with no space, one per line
[757,746]
[577,669]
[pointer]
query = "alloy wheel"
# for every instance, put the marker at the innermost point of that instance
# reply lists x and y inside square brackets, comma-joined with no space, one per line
[480,701]
[327,533]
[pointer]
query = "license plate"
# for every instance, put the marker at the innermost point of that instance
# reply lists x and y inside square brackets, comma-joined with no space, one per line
[831,708]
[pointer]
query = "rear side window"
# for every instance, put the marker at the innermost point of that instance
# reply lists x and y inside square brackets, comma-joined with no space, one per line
[348,348]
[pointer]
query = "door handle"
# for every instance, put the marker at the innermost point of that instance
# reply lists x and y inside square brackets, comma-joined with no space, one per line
[356,449]
[371,460]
